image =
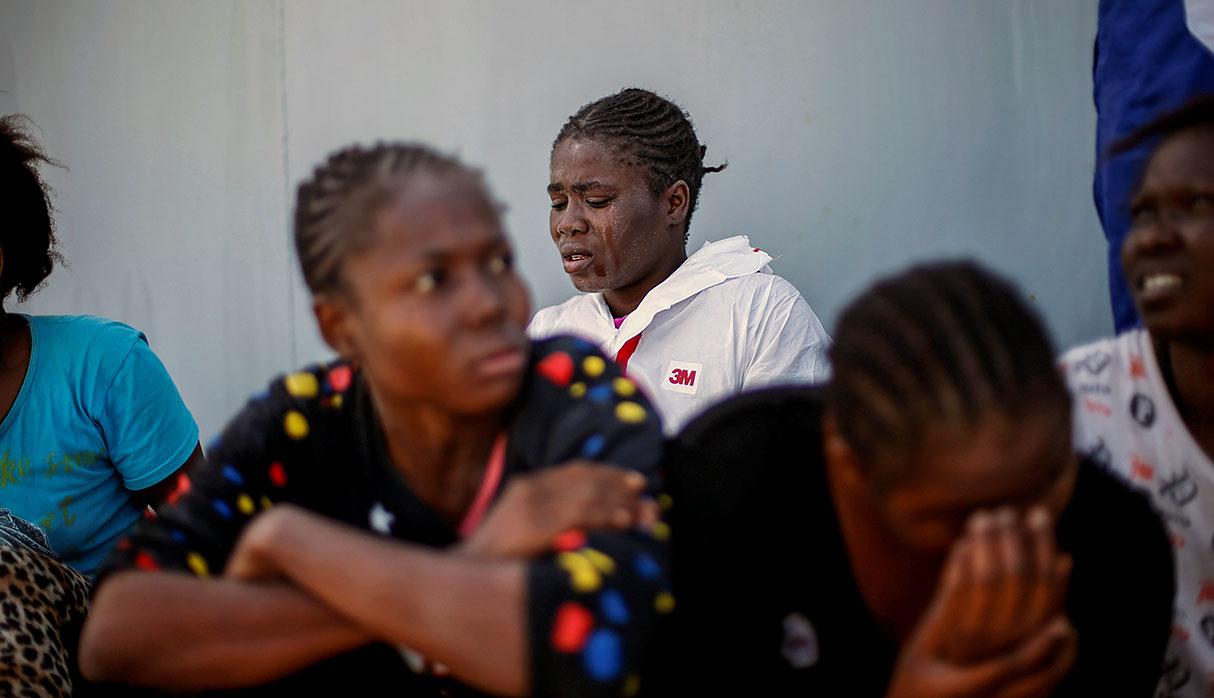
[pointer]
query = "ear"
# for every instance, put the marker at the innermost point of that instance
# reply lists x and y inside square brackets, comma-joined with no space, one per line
[676,198]
[334,319]
[1059,495]
[841,459]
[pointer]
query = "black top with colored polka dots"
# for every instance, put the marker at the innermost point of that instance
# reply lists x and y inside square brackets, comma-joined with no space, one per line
[313,440]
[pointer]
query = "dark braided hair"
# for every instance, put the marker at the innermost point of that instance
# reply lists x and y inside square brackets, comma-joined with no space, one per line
[28,236]
[944,342]
[334,209]
[650,130]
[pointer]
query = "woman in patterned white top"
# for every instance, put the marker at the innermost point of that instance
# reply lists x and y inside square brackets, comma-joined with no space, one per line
[1144,401]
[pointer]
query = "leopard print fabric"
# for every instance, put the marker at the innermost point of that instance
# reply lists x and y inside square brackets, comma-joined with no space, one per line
[39,597]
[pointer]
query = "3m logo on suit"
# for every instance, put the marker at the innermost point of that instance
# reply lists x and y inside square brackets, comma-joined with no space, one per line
[683,377]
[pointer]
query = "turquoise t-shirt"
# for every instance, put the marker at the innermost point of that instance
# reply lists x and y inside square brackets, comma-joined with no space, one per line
[96,418]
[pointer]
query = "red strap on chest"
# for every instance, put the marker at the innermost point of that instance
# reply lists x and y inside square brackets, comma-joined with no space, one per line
[625,353]
[489,484]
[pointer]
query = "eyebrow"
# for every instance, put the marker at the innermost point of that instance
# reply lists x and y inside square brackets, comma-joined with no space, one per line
[443,254]
[580,187]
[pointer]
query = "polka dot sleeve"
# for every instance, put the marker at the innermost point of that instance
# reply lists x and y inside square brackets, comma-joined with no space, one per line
[596,598]
[262,458]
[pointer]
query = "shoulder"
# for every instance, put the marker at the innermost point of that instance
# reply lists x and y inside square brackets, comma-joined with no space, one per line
[90,354]
[782,288]
[316,385]
[568,344]
[742,450]
[1113,532]
[564,360]
[292,407]
[1099,493]
[85,331]
[759,293]
[743,469]
[575,403]
[569,372]
[313,388]
[554,314]
[758,283]
[1122,586]
[1105,361]
[777,286]
[765,415]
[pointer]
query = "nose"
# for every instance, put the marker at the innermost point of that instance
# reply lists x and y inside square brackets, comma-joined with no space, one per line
[482,300]
[569,221]
[1160,235]
[1158,238]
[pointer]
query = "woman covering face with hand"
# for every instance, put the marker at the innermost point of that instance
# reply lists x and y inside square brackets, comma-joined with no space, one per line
[921,527]
[422,513]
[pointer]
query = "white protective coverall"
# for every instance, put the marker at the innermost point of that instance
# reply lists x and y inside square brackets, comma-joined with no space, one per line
[721,323]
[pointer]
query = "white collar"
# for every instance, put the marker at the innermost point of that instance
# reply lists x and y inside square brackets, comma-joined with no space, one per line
[712,264]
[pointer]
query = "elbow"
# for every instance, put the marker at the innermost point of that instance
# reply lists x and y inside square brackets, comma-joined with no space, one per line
[96,663]
[103,653]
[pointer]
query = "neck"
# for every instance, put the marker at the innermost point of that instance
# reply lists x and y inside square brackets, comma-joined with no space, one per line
[625,299]
[8,322]
[440,455]
[14,343]
[1188,369]
[895,582]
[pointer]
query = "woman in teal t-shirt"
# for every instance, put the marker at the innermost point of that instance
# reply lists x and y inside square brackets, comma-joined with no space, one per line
[92,431]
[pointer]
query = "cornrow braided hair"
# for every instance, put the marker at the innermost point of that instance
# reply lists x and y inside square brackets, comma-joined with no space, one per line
[28,236]
[944,342]
[334,208]
[651,130]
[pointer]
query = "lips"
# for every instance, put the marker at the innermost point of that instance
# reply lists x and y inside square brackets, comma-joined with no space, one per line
[576,258]
[501,363]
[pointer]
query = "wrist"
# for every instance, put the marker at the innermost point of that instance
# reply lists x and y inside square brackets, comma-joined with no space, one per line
[472,546]
[272,533]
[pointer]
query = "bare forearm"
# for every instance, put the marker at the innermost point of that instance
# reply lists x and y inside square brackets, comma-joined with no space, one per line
[468,613]
[173,631]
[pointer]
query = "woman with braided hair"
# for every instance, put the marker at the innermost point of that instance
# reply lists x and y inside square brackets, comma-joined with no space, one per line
[921,528]
[626,172]
[421,514]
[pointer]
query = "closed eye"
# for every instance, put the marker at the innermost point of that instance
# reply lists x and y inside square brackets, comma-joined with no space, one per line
[1200,203]
[1142,213]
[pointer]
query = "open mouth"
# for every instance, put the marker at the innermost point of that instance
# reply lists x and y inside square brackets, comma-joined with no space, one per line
[1160,282]
[576,262]
[1158,285]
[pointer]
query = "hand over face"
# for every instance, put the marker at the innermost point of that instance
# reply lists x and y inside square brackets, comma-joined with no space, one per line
[995,626]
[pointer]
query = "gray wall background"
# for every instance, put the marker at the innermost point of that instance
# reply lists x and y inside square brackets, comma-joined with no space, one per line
[860,135]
